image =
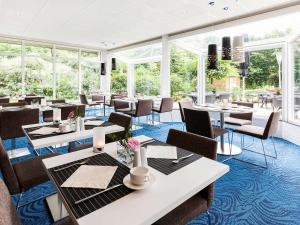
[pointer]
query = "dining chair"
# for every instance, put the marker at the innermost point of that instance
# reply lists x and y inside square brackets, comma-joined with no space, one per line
[8,213]
[166,106]
[11,122]
[110,103]
[240,119]
[121,106]
[262,133]
[98,98]
[4,99]
[114,118]
[182,106]
[143,108]
[13,104]
[31,99]
[200,202]
[22,175]
[65,111]
[55,101]
[84,101]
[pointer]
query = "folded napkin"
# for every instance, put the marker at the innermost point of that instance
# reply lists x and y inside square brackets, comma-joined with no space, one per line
[161,152]
[91,177]
[93,122]
[44,130]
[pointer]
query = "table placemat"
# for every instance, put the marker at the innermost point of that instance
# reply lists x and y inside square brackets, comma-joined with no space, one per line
[105,124]
[38,136]
[71,195]
[166,166]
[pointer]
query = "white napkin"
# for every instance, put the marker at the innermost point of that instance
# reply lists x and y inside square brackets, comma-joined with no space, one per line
[161,152]
[44,130]
[91,177]
[94,122]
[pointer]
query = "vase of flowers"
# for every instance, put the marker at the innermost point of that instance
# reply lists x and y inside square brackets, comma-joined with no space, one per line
[126,150]
[74,119]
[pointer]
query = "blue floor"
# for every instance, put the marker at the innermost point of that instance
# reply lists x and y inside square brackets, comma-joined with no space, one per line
[246,195]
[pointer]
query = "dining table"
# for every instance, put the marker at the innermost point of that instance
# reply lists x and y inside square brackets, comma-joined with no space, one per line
[47,141]
[224,148]
[171,186]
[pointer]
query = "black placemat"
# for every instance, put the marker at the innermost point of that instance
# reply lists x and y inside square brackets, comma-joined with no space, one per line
[105,124]
[166,166]
[74,194]
[39,136]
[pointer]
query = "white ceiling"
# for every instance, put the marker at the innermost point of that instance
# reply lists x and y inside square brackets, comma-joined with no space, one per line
[114,23]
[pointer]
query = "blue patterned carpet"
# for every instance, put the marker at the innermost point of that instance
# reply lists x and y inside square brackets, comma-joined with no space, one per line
[246,195]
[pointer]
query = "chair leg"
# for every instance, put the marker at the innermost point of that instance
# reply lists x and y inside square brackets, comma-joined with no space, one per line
[19,200]
[263,147]
[208,217]
[272,138]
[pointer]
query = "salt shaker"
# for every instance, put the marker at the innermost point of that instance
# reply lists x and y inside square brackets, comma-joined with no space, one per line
[144,157]
[137,157]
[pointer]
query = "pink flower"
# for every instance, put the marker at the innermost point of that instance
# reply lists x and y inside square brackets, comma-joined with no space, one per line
[71,115]
[133,143]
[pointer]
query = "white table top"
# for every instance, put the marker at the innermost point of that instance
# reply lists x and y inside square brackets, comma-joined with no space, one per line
[147,206]
[69,137]
[222,109]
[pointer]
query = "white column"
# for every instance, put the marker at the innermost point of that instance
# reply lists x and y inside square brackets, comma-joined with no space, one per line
[105,80]
[54,71]
[79,73]
[23,68]
[201,78]
[165,79]
[130,80]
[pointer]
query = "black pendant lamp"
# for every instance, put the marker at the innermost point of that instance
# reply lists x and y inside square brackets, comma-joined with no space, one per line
[113,64]
[103,68]
[212,57]
[244,67]
[226,48]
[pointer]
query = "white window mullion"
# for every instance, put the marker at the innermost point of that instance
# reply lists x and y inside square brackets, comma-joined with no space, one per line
[54,71]
[23,85]
[79,73]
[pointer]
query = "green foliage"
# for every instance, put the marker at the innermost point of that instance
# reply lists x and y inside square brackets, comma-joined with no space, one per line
[225,68]
[119,78]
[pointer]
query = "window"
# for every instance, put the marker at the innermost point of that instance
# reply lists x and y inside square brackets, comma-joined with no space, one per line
[38,70]
[10,69]
[119,78]
[147,79]
[67,73]
[296,101]
[90,70]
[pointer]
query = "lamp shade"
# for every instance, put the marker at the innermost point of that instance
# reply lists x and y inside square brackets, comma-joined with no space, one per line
[226,48]
[212,57]
[56,114]
[113,64]
[98,137]
[103,68]
[238,54]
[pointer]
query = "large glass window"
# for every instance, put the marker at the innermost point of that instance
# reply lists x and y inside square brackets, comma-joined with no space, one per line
[147,79]
[183,73]
[38,70]
[296,104]
[90,70]
[10,69]
[67,73]
[119,78]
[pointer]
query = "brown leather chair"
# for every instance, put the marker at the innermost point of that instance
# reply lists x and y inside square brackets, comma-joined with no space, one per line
[98,98]
[111,102]
[121,106]
[65,111]
[115,118]
[22,175]
[8,213]
[182,106]
[166,105]
[199,122]
[29,99]
[240,119]
[14,104]
[84,101]
[261,133]
[12,120]
[54,101]
[4,99]
[143,108]
[201,202]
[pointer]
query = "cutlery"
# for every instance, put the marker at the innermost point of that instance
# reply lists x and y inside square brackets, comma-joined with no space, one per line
[182,158]
[66,167]
[98,193]
[148,142]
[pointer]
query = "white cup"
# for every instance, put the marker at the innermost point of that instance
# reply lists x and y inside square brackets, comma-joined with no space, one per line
[64,128]
[139,175]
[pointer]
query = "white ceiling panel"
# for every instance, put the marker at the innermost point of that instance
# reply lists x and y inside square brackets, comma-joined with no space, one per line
[114,23]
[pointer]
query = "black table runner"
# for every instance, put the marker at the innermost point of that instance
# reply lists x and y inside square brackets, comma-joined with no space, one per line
[166,166]
[74,194]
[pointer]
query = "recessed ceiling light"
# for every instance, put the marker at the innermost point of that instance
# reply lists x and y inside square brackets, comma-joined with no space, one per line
[211,3]
[226,8]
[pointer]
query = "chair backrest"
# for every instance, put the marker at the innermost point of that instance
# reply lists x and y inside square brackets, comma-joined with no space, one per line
[199,145]
[30,99]
[272,125]
[224,96]
[183,105]
[144,107]
[8,172]
[119,104]
[243,116]
[83,99]
[8,213]
[98,98]
[166,105]
[53,101]
[198,122]
[4,99]
[12,120]
[210,98]
[121,120]
[14,104]
[65,110]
